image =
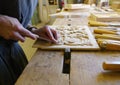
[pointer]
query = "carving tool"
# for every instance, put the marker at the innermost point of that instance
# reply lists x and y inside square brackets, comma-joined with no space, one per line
[107,36]
[113,66]
[98,23]
[109,44]
[106,31]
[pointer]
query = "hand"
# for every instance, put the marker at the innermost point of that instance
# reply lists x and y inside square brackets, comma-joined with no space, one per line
[10,28]
[47,33]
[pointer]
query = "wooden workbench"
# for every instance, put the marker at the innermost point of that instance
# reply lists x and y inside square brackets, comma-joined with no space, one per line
[46,68]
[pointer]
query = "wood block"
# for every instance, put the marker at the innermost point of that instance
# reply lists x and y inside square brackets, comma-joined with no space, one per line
[106,17]
[77,6]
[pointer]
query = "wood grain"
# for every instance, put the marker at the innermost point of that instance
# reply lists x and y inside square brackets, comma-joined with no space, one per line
[86,68]
[73,21]
[50,46]
[45,68]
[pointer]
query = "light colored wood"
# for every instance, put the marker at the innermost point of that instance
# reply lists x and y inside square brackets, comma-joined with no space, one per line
[109,44]
[44,11]
[50,46]
[106,17]
[108,36]
[77,6]
[73,21]
[86,68]
[27,48]
[45,68]
[45,45]
[78,13]
[104,31]
[90,2]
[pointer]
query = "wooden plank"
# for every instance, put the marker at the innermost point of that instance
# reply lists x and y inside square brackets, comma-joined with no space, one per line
[77,6]
[86,68]
[88,43]
[45,68]
[73,21]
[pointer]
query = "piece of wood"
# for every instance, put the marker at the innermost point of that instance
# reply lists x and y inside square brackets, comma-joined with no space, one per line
[45,68]
[106,17]
[50,46]
[86,68]
[77,6]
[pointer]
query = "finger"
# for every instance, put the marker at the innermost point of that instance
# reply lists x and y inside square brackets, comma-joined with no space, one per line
[55,34]
[50,35]
[27,33]
[18,37]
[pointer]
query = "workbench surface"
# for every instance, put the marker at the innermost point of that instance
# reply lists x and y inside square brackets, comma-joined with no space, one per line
[46,68]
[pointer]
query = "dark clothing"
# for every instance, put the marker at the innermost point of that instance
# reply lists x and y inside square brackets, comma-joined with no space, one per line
[12,61]
[20,9]
[12,57]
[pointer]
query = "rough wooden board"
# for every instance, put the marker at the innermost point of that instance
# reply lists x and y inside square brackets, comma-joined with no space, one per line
[72,21]
[77,6]
[106,17]
[45,68]
[86,68]
[45,45]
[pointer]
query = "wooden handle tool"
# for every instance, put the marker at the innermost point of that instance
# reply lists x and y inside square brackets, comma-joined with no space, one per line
[96,23]
[113,66]
[109,44]
[104,31]
[107,36]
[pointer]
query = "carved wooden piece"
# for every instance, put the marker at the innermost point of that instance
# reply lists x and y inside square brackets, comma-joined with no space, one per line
[74,37]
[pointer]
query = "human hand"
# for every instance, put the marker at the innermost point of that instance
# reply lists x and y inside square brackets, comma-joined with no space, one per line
[11,29]
[47,33]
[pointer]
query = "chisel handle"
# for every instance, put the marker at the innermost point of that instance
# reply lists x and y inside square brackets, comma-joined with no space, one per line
[113,66]
[103,31]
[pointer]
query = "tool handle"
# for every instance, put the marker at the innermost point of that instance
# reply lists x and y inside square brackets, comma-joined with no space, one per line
[113,66]
[109,44]
[107,36]
[101,31]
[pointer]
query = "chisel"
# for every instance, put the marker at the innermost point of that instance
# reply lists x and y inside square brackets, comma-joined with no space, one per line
[98,23]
